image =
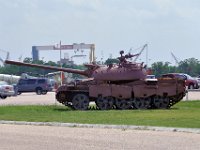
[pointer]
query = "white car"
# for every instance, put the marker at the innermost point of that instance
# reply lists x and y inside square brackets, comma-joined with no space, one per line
[6,90]
[151,77]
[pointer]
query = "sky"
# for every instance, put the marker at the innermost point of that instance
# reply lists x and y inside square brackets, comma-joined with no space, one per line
[112,25]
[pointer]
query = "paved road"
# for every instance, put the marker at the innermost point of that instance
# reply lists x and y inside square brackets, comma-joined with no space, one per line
[49,99]
[25,137]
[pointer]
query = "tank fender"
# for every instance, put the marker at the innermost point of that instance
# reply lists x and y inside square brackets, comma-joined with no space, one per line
[143,90]
[167,87]
[121,91]
[62,88]
[104,90]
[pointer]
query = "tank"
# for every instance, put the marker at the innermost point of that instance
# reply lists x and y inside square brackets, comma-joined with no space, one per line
[116,86]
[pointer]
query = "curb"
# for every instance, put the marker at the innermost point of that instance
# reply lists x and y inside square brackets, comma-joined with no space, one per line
[102,126]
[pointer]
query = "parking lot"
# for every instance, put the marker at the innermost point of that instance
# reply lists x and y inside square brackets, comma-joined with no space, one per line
[192,95]
[49,99]
[30,99]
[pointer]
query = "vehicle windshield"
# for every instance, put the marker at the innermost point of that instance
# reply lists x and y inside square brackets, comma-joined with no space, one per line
[188,76]
[181,76]
[150,76]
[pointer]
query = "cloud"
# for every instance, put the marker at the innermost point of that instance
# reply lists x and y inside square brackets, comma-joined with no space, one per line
[183,9]
[110,24]
[86,5]
[164,5]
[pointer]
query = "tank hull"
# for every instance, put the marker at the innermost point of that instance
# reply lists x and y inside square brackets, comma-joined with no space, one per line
[141,94]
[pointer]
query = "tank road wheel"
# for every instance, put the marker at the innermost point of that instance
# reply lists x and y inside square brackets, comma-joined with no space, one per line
[80,101]
[142,103]
[122,103]
[104,103]
[161,102]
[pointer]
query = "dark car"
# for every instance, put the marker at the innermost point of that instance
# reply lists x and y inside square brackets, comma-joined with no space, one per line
[38,85]
[189,81]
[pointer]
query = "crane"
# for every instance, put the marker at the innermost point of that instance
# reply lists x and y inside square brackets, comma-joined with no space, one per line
[75,46]
[1,60]
[7,56]
[7,53]
[140,52]
[175,58]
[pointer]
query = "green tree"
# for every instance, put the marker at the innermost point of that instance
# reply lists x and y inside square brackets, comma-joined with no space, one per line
[28,60]
[111,61]
[161,68]
[190,66]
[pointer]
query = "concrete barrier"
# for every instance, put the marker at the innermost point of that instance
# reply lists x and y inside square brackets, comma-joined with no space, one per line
[192,94]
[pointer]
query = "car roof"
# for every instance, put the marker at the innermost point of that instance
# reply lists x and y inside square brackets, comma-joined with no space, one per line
[34,79]
[175,74]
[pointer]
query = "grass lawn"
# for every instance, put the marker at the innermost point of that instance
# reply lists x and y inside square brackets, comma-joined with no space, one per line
[183,114]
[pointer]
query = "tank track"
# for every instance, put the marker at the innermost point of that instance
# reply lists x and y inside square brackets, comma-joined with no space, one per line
[81,102]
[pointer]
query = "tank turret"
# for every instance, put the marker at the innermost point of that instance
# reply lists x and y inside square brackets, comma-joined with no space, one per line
[124,71]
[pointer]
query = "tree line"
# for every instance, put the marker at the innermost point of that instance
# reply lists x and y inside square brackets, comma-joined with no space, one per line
[189,66]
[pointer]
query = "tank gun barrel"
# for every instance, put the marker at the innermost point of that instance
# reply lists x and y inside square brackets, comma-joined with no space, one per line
[69,70]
